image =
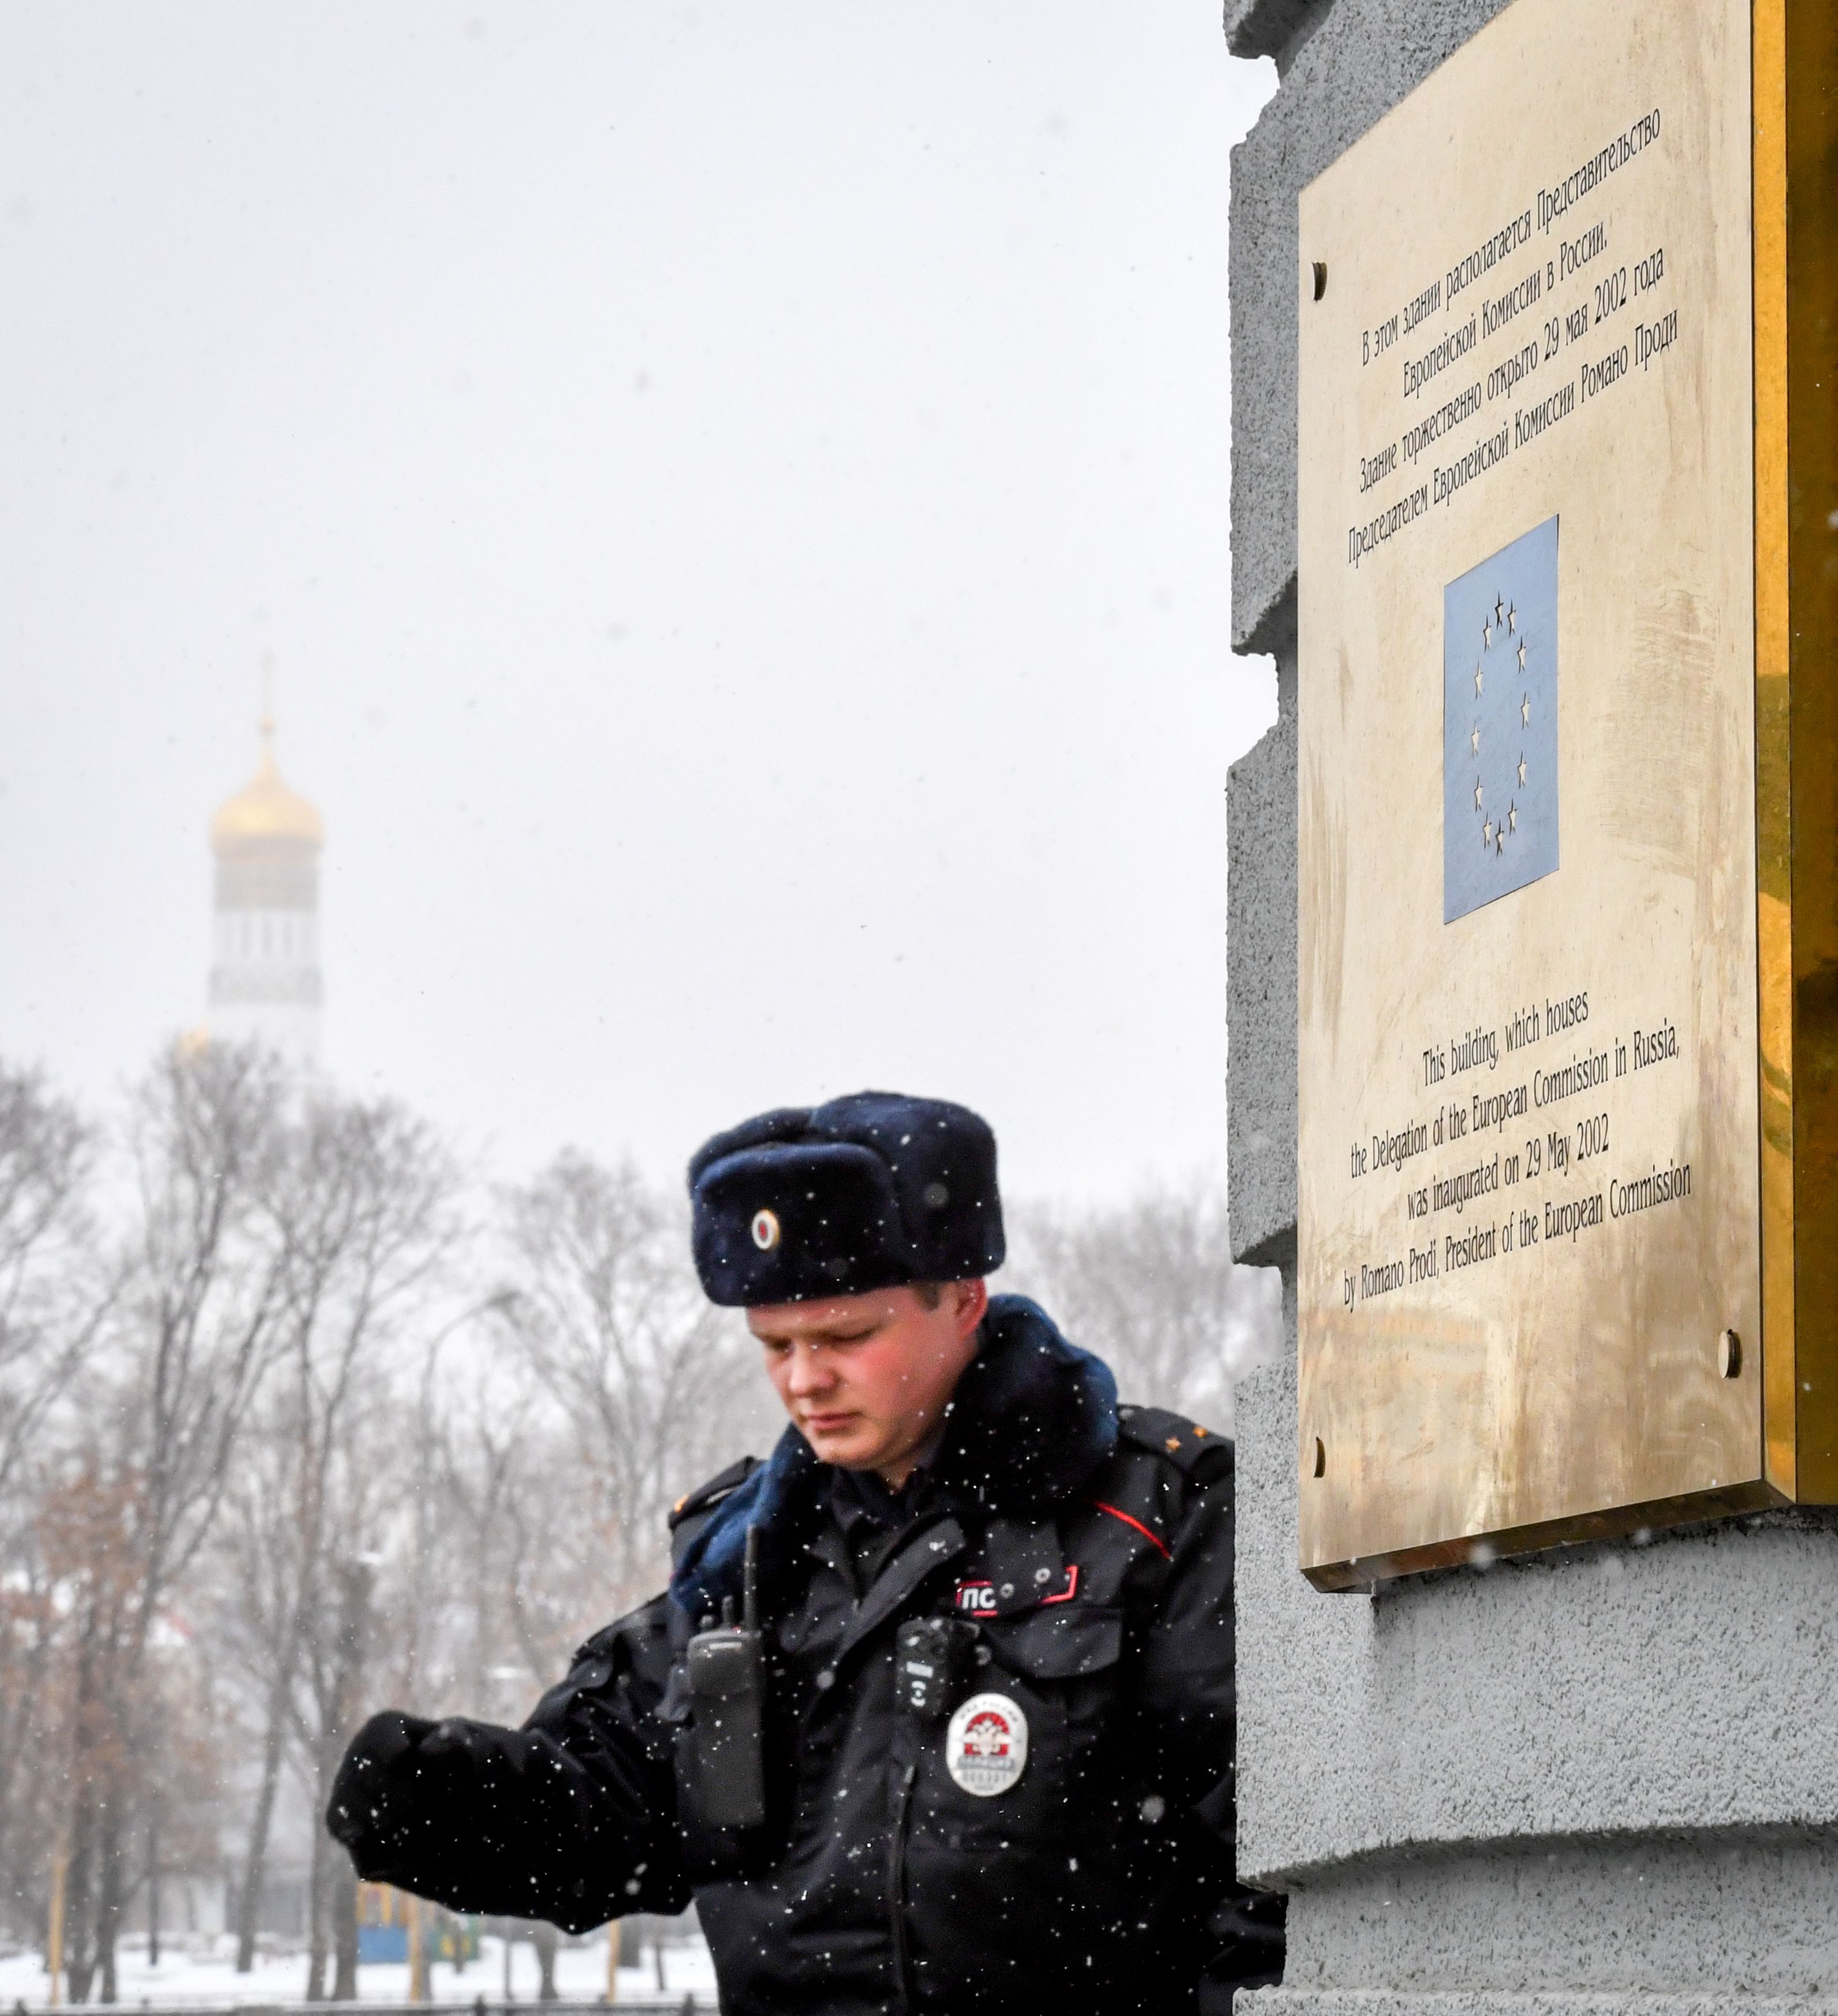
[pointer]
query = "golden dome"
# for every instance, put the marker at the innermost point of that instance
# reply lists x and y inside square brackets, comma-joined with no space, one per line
[265,810]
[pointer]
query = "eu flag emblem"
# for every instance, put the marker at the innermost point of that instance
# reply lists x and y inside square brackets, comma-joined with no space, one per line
[1500,724]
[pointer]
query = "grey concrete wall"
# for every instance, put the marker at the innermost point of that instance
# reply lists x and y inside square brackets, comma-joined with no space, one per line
[1260,987]
[1603,1779]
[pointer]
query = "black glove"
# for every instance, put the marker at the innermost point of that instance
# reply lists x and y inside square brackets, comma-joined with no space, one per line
[375,1803]
[509,1822]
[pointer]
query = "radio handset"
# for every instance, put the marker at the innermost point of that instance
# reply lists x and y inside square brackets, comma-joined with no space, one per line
[726,1665]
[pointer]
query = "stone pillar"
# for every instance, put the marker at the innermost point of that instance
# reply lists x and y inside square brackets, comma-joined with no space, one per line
[1601,1779]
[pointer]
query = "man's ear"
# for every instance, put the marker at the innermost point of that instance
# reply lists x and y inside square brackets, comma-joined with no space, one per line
[970,1304]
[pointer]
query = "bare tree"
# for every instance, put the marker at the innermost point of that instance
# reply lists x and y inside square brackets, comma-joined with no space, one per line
[655,1387]
[34,1630]
[256,1617]
[508,1481]
[51,1297]
[337,1650]
[200,1325]
[358,1201]
[55,1292]
[1150,1286]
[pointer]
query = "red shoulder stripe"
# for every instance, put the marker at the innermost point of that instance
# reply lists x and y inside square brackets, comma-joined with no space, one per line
[1155,1540]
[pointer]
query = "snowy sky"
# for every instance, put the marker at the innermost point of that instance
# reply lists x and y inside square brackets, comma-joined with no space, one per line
[737,498]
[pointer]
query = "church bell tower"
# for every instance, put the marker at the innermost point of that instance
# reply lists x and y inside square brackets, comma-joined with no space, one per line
[264,977]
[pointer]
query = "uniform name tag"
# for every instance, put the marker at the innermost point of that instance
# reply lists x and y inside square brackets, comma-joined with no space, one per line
[986,1745]
[977,1599]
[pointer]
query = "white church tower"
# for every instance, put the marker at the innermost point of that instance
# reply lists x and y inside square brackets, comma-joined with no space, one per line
[265,979]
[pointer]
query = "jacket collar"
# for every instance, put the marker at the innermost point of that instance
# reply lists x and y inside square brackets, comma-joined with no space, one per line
[1033,1418]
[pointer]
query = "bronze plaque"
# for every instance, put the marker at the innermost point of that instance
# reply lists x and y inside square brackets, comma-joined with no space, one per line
[1566,900]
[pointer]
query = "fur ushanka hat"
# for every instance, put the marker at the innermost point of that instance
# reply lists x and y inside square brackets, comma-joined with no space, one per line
[868,1191]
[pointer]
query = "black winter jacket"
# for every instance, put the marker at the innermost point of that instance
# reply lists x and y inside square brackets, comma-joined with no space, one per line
[1090,1544]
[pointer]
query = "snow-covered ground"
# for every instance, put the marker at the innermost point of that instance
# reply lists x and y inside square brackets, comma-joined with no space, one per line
[210,1980]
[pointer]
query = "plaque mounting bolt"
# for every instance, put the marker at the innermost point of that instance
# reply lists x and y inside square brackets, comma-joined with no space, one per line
[1729,1355]
[1320,278]
[1321,1458]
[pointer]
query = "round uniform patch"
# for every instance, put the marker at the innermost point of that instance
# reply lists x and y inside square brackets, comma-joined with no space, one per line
[765,1230]
[986,1746]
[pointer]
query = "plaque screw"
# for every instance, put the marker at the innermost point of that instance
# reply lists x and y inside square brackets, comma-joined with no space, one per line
[1321,1458]
[1729,1355]
[1320,278]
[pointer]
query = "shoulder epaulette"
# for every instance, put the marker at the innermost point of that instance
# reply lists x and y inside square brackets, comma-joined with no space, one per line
[705,1497]
[1183,1443]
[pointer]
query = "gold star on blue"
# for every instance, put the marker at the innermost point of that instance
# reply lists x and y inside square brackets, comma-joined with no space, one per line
[1525,711]
[1477,794]
[1474,739]
[1522,772]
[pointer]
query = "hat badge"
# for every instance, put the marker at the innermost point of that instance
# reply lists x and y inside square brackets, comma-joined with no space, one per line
[765,1230]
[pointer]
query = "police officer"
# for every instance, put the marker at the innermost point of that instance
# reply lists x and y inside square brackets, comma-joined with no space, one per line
[938,1712]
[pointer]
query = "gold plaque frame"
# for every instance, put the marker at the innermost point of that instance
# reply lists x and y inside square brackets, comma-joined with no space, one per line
[1646,1332]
